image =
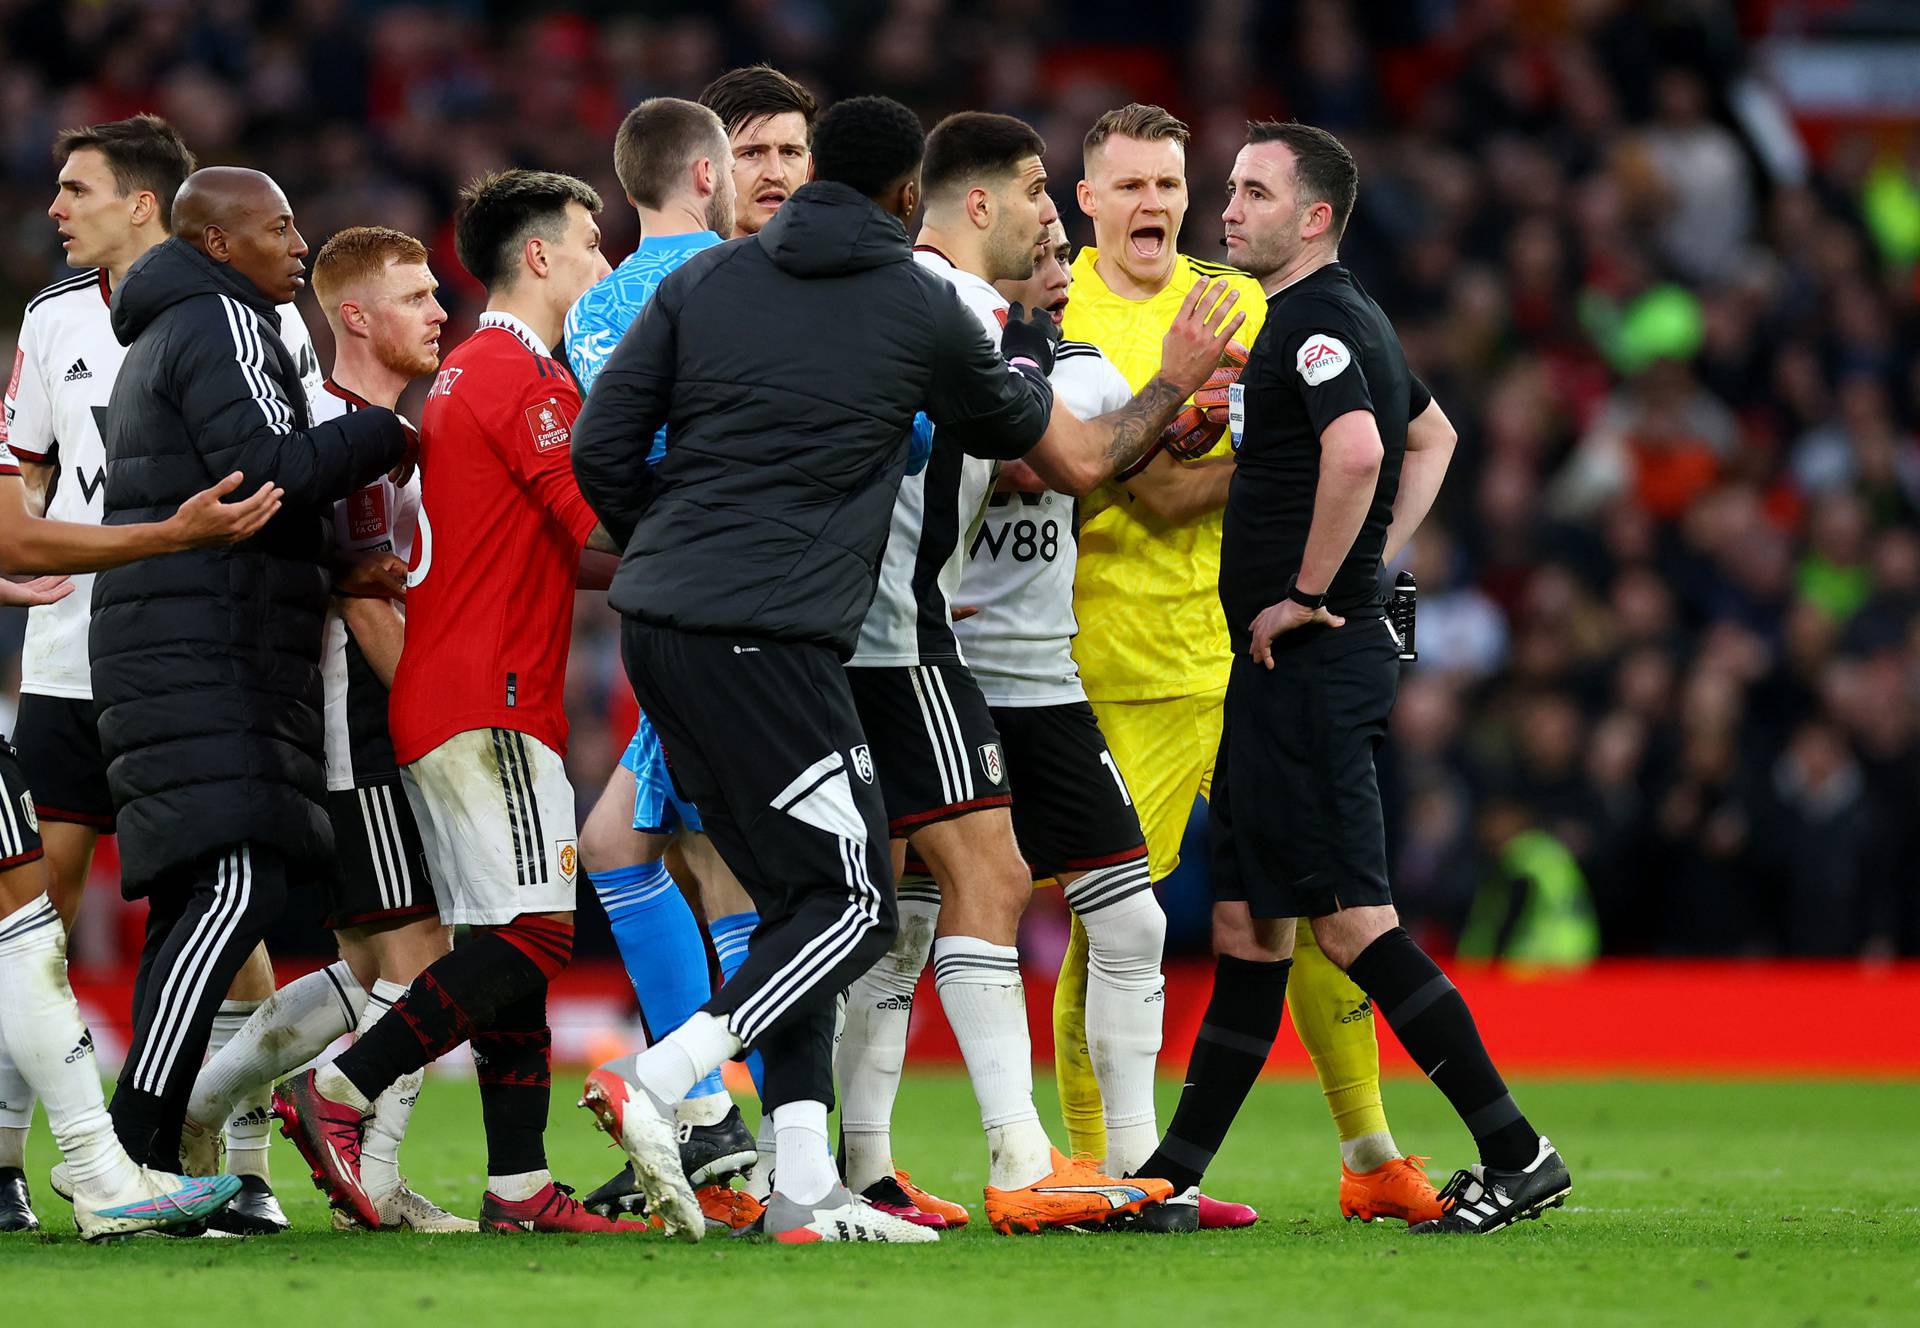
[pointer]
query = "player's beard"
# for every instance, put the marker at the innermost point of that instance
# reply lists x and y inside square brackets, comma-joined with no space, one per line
[720,215]
[408,361]
[1010,252]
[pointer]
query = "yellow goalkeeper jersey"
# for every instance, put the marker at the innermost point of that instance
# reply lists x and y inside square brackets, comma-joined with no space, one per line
[1147,591]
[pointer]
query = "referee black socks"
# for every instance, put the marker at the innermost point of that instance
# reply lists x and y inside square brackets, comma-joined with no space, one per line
[1242,1020]
[1433,1023]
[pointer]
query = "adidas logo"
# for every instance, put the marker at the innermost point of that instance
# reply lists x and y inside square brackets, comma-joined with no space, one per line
[1364,1010]
[83,1049]
[258,1116]
[78,371]
[894,1003]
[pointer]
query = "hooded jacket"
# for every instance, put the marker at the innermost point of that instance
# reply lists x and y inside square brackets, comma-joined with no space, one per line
[787,368]
[206,664]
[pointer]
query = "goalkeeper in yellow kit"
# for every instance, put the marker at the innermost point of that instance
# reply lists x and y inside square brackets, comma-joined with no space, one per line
[1153,648]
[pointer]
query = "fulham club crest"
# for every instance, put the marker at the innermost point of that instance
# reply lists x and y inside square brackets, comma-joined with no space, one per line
[863,762]
[990,762]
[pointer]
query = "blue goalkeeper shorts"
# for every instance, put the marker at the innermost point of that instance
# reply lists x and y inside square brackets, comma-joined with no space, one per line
[658,808]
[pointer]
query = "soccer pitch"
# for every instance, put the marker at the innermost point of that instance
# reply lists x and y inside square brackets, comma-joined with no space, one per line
[1704,1202]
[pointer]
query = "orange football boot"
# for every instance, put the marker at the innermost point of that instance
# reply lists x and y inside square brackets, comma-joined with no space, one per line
[956,1215]
[1074,1192]
[723,1207]
[1398,1189]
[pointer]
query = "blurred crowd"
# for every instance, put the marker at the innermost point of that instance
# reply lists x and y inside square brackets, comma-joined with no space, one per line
[1670,597]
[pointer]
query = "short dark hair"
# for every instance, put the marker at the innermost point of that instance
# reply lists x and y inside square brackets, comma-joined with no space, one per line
[142,151]
[1323,169]
[970,145]
[501,209]
[1136,119]
[868,143]
[741,96]
[658,141]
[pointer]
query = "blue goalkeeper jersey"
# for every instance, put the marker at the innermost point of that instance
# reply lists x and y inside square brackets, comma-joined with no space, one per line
[602,316]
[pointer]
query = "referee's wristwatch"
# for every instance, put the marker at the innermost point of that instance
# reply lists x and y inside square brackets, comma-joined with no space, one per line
[1311,603]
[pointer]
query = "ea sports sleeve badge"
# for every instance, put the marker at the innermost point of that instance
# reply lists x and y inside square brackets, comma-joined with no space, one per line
[1322,357]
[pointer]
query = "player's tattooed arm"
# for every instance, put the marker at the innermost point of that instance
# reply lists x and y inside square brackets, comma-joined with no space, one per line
[1138,424]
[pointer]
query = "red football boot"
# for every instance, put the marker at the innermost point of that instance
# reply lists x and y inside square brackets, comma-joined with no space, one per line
[327,1133]
[551,1209]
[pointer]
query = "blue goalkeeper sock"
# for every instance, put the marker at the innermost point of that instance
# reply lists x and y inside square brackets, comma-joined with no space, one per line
[730,936]
[660,945]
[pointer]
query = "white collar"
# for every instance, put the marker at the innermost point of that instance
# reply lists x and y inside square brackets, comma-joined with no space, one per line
[506,322]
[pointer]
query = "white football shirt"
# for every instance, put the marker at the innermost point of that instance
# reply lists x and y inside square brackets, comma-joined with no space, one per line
[56,405]
[1020,563]
[911,618]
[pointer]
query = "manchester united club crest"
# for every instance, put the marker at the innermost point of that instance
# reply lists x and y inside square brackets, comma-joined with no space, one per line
[569,859]
[991,763]
[863,762]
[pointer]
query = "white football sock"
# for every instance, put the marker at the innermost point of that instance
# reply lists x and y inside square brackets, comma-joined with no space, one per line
[1369,1152]
[519,1186]
[248,1124]
[683,1057]
[1126,995]
[16,1112]
[766,1143]
[52,1048]
[980,988]
[872,1047]
[330,1083]
[380,1143]
[807,1174]
[707,1109]
[290,1028]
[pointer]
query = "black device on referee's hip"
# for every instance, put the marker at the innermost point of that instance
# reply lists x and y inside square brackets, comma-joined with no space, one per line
[1400,614]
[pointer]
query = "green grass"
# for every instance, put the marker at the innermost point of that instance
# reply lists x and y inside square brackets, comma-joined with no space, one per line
[1698,1202]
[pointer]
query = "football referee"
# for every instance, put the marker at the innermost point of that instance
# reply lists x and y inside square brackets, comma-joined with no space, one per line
[1340,452]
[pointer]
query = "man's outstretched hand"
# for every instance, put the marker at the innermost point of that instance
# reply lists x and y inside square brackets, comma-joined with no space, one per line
[207,519]
[35,591]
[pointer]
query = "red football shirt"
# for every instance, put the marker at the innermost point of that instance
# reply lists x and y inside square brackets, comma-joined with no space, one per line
[502,523]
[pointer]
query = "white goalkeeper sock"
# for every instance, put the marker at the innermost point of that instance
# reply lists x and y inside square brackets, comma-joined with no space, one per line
[872,1048]
[52,1048]
[290,1028]
[380,1143]
[980,988]
[1126,994]
[807,1173]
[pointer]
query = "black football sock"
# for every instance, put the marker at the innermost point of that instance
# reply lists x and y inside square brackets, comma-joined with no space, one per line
[1433,1023]
[459,994]
[513,1060]
[1236,1035]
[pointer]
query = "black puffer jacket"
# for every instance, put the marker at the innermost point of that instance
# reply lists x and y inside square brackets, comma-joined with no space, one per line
[206,664]
[787,369]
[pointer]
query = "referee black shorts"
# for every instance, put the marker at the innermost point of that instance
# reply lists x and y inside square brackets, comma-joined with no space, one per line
[935,747]
[59,742]
[382,873]
[19,819]
[1296,825]
[1074,812]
